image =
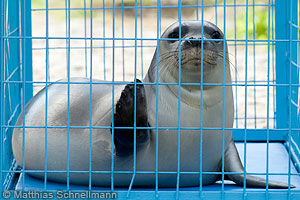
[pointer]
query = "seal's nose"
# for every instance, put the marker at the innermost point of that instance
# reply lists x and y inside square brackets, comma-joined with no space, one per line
[195,41]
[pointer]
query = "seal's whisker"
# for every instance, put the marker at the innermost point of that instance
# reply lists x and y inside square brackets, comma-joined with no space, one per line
[169,59]
[228,60]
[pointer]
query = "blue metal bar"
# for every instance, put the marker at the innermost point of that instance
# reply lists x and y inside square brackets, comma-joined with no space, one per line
[130,46]
[293,147]
[155,7]
[268,106]
[246,87]
[91,96]
[113,99]
[290,96]
[208,195]
[122,83]
[216,13]
[68,27]
[85,41]
[158,22]
[94,47]
[144,172]
[142,57]
[151,39]
[235,64]
[23,34]
[46,95]
[223,102]
[197,9]
[295,64]
[273,64]
[17,69]
[104,37]
[281,132]
[26,48]
[123,46]
[10,120]
[281,29]
[134,114]
[13,32]
[179,100]
[135,68]
[201,107]
[294,25]
[293,78]
[254,69]
[2,50]
[262,83]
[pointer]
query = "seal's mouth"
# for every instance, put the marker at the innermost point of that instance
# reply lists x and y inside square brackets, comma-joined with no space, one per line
[193,58]
[198,61]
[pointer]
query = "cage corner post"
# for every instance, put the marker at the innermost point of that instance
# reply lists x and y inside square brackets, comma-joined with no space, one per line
[10,72]
[286,75]
[1,85]
[2,26]
[26,49]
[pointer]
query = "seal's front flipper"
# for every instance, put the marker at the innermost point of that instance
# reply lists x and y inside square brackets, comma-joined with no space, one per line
[233,164]
[124,117]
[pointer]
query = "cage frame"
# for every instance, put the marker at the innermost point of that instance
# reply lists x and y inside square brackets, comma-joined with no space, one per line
[287,105]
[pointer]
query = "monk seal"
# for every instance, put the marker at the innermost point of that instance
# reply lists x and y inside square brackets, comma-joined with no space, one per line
[80,114]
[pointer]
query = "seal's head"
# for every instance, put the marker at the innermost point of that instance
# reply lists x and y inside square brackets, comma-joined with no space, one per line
[192,49]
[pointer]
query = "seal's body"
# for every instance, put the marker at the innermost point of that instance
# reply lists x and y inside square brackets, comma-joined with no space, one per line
[187,113]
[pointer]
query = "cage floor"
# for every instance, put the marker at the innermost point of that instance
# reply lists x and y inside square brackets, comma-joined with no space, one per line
[256,163]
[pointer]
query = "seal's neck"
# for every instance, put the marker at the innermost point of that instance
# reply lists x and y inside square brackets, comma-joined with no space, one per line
[191,94]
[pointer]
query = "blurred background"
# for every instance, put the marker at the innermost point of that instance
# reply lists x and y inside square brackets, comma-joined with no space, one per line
[118,38]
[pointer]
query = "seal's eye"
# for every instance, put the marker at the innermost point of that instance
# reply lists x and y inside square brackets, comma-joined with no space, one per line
[174,35]
[216,35]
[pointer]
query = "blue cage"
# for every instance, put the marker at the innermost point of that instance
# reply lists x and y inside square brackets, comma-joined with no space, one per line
[43,41]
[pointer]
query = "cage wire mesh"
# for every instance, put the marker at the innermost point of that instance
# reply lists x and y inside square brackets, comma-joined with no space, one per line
[116,40]
[246,48]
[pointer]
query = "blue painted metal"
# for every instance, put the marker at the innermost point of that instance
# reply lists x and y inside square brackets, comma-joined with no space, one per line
[104,57]
[91,104]
[287,83]
[158,21]
[293,78]
[286,54]
[256,152]
[10,92]
[123,46]
[201,112]
[113,98]
[283,95]
[11,72]
[246,92]
[294,65]
[142,55]
[25,13]
[46,95]
[223,99]
[68,35]
[235,64]
[134,116]
[179,101]
[2,28]
[254,64]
